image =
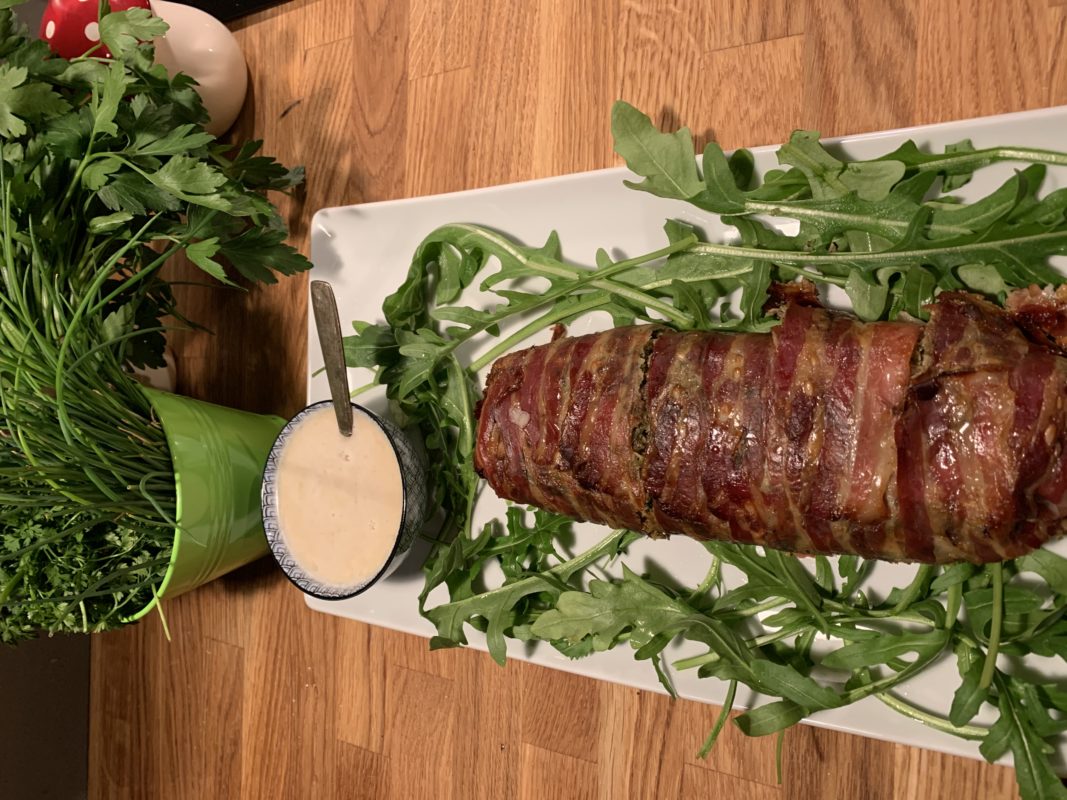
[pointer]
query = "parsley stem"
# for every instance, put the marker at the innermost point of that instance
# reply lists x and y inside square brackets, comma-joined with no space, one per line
[993,648]
[146,270]
[8,587]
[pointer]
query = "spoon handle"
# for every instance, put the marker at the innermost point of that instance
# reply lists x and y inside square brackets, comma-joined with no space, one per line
[328,325]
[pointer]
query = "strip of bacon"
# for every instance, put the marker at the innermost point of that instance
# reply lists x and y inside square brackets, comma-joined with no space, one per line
[937,443]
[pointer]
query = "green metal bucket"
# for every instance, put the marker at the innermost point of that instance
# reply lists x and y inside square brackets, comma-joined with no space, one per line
[218,455]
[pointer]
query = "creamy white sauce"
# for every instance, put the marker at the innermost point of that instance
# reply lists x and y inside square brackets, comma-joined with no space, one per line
[340,499]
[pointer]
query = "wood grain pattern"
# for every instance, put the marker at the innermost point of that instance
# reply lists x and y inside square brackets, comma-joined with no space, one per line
[256,696]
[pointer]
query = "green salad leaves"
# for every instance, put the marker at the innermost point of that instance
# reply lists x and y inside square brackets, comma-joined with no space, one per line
[891,232]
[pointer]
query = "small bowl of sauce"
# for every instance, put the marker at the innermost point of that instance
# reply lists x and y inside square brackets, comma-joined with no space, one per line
[340,511]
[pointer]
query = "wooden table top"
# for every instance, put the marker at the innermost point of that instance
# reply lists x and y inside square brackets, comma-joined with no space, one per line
[257,696]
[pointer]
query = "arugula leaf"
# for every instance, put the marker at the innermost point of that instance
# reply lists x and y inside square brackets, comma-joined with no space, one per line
[886,648]
[979,603]
[371,346]
[969,697]
[786,682]
[1032,770]
[666,161]
[1051,567]
[743,168]
[497,607]
[868,297]
[998,739]
[984,278]
[953,575]
[770,718]
[830,178]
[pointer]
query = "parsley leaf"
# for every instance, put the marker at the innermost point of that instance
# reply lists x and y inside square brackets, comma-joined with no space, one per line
[123,33]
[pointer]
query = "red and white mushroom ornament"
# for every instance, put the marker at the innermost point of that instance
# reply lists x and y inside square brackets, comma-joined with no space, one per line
[72,27]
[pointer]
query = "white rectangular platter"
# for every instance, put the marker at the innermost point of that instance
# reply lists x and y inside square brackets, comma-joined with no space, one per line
[364,252]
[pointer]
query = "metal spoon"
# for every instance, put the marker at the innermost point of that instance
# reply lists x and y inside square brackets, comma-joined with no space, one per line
[328,323]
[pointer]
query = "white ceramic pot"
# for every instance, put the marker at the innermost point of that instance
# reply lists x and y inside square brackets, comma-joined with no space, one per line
[205,49]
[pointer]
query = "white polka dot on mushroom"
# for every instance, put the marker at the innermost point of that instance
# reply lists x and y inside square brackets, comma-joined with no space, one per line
[92,31]
[50,29]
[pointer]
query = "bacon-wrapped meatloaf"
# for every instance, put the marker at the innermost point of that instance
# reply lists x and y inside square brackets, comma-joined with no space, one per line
[933,443]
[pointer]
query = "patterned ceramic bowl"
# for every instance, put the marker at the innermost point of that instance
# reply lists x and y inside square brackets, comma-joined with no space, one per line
[415,492]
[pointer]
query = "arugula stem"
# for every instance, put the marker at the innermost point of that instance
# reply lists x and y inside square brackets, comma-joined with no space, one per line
[564,569]
[981,158]
[918,665]
[758,608]
[779,741]
[1052,240]
[754,644]
[817,277]
[952,604]
[973,732]
[801,213]
[595,278]
[853,614]
[720,721]
[542,322]
[710,579]
[993,648]
[908,596]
